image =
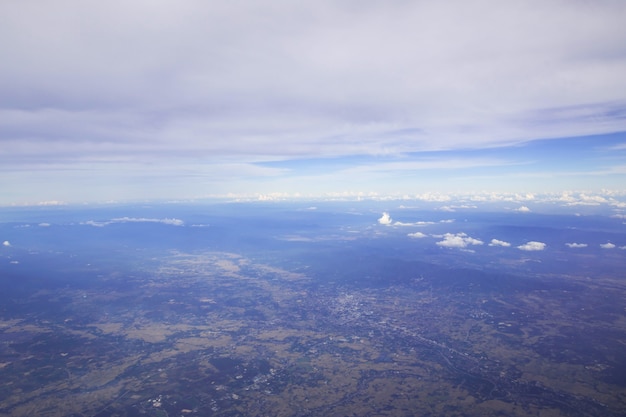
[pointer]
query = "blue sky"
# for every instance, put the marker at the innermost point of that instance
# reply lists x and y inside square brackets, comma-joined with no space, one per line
[142,100]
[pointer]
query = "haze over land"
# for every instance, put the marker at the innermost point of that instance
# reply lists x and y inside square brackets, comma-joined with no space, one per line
[340,308]
[181,100]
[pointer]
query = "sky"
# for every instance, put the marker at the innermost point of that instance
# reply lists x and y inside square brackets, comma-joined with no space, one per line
[158,100]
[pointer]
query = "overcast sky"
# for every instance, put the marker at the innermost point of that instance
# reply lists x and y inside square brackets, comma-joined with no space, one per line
[127,100]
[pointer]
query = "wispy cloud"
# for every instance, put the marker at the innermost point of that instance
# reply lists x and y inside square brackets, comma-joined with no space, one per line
[417,235]
[419,223]
[171,222]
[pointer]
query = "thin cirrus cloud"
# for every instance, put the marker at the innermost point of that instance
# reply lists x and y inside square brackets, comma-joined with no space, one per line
[167,221]
[111,96]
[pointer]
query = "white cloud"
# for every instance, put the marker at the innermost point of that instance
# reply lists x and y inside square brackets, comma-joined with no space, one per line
[496,242]
[459,240]
[385,219]
[523,209]
[6,243]
[607,245]
[532,246]
[94,223]
[577,245]
[171,222]
[418,235]
[44,224]
[420,223]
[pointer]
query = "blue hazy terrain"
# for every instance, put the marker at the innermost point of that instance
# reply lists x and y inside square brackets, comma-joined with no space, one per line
[317,308]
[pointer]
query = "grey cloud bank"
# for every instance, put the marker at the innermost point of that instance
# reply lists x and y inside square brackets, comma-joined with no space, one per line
[200,92]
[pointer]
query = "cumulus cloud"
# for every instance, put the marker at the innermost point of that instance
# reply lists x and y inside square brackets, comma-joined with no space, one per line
[607,245]
[458,240]
[418,235]
[532,246]
[6,243]
[523,209]
[576,245]
[385,219]
[496,242]
[168,221]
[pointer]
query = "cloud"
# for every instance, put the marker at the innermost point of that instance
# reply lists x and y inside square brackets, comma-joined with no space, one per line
[459,240]
[385,219]
[171,222]
[44,224]
[418,235]
[422,223]
[532,246]
[496,242]
[251,82]
[403,224]
[6,243]
[607,245]
[523,209]
[576,245]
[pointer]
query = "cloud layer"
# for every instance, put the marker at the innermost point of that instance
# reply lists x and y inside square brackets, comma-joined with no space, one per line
[98,99]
